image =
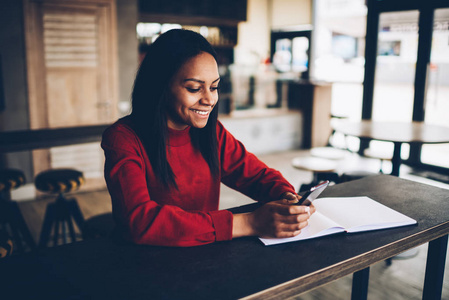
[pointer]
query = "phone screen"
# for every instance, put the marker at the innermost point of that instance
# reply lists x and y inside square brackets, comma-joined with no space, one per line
[313,193]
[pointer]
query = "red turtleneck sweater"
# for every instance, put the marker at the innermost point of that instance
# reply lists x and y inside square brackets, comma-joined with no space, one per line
[147,213]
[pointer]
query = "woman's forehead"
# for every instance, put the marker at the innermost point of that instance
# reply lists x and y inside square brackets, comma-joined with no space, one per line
[202,67]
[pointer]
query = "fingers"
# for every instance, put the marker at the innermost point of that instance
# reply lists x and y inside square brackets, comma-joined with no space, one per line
[294,227]
[289,196]
[290,230]
[293,219]
[312,209]
[288,209]
[279,219]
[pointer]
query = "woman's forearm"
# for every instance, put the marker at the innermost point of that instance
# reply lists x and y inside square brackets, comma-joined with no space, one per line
[242,225]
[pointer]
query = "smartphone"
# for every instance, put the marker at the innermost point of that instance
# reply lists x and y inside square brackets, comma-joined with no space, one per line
[312,194]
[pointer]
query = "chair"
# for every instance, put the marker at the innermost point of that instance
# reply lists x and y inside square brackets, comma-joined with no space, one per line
[322,169]
[60,213]
[11,219]
[332,150]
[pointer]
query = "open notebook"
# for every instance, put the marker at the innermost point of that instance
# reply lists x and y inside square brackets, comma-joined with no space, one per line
[347,214]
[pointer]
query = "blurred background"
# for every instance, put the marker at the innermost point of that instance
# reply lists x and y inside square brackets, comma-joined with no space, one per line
[71,63]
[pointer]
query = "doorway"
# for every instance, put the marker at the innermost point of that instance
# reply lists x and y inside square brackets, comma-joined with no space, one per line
[72,77]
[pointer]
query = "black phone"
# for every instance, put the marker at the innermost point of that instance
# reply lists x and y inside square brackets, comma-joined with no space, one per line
[308,197]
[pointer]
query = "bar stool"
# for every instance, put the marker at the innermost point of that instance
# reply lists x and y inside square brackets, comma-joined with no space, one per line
[380,155]
[322,169]
[11,218]
[328,152]
[61,212]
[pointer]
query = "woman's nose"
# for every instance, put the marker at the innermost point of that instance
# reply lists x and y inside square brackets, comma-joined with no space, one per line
[208,98]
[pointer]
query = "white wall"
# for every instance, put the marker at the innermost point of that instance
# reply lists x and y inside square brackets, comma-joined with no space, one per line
[263,15]
[291,13]
[254,35]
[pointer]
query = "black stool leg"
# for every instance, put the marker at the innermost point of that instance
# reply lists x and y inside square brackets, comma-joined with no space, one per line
[67,219]
[71,229]
[56,231]
[16,237]
[46,226]
[60,214]
[76,213]
[12,217]
[64,229]
[19,222]
[72,210]
[63,216]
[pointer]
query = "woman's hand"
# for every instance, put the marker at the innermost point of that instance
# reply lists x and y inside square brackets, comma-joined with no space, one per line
[278,219]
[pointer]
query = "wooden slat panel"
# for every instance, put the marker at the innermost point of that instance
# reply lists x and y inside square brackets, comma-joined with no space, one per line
[68,26]
[69,33]
[74,48]
[65,34]
[69,41]
[80,18]
[87,158]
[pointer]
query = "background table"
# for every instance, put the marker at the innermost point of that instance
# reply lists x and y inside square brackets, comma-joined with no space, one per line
[104,269]
[396,132]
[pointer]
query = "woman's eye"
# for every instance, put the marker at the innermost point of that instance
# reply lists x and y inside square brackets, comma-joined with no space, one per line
[192,90]
[214,88]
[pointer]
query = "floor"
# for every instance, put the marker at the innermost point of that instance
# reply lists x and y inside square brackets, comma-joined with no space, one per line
[402,280]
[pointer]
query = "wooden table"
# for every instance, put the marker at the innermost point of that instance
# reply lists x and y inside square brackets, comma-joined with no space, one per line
[396,132]
[104,269]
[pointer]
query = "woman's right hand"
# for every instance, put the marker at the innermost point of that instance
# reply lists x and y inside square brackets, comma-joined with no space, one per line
[276,219]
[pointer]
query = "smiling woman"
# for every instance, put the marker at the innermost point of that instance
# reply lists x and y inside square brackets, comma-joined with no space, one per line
[166,160]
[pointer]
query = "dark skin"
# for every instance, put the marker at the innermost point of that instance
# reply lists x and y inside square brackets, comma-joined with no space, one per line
[276,219]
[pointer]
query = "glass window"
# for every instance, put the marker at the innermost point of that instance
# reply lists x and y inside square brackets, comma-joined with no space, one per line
[395,67]
[437,97]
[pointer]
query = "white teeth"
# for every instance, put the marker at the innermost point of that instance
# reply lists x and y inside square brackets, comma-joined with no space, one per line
[201,112]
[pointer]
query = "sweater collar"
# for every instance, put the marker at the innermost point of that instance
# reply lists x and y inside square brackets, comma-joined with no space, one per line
[178,138]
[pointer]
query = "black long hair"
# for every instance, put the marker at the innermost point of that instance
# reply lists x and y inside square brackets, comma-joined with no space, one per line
[150,101]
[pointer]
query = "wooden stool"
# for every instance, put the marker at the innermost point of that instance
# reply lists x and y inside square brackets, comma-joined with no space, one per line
[328,153]
[10,215]
[322,169]
[60,213]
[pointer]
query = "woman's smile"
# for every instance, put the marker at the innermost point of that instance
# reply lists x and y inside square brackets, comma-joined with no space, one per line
[202,113]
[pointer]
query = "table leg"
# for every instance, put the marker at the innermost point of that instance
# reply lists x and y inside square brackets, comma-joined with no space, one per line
[396,159]
[436,260]
[360,280]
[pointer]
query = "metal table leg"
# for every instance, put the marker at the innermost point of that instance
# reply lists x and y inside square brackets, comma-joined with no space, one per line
[436,260]
[360,281]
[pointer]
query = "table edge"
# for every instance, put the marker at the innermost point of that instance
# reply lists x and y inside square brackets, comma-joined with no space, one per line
[331,273]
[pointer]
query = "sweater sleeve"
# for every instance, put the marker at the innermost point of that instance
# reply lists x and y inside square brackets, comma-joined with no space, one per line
[141,219]
[243,171]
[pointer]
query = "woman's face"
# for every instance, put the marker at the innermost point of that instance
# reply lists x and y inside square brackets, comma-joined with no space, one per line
[193,92]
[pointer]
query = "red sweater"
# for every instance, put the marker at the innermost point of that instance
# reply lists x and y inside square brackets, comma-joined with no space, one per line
[147,213]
